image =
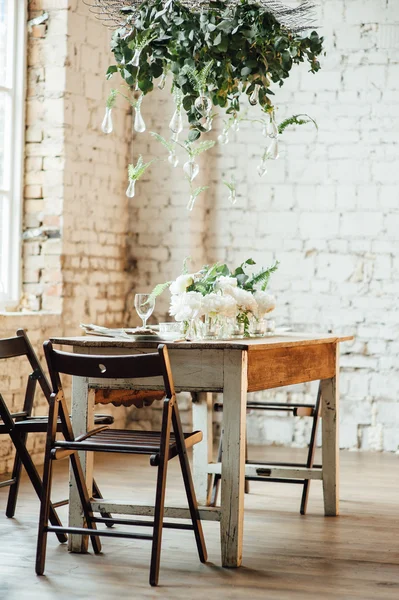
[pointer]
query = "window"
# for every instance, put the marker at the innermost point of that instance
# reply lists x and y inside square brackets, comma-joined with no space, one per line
[12,102]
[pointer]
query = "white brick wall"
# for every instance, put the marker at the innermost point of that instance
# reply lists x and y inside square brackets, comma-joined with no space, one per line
[328,210]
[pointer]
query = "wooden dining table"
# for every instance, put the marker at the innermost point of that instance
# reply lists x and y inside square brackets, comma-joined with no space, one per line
[233,368]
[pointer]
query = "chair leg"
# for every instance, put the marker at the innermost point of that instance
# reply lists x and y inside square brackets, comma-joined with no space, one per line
[33,475]
[160,494]
[46,490]
[78,474]
[189,486]
[246,488]
[14,488]
[97,494]
[85,500]
[311,453]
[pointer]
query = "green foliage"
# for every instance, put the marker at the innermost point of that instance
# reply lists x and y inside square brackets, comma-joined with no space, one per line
[222,52]
[195,193]
[262,278]
[136,171]
[295,120]
[168,145]
[194,151]
[110,102]
[231,185]
[158,290]
[199,78]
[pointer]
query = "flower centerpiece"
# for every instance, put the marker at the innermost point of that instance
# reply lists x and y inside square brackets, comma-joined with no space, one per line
[228,300]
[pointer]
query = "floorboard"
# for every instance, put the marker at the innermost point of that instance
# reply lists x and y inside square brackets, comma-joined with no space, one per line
[286,556]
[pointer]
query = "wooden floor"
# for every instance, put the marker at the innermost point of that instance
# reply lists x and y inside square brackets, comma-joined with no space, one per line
[285,555]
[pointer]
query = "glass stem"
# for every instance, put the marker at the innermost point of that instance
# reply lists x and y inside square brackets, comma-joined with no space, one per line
[144,323]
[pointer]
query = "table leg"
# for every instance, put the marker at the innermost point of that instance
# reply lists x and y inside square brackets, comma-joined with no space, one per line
[82,421]
[330,441]
[233,457]
[202,452]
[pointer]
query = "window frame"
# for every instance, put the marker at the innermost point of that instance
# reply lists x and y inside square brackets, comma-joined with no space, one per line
[15,88]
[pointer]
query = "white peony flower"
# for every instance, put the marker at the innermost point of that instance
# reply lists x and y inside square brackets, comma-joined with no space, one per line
[187,306]
[245,300]
[216,304]
[229,309]
[266,302]
[222,282]
[180,285]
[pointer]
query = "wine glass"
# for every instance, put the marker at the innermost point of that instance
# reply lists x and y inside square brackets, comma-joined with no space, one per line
[144,305]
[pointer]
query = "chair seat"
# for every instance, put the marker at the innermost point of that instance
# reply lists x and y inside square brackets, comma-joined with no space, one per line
[128,441]
[39,424]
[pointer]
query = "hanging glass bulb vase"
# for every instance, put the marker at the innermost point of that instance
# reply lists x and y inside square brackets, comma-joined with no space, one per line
[106,125]
[206,123]
[203,104]
[254,97]
[191,202]
[162,81]
[236,125]
[261,168]
[272,129]
[130,188]
[172,159]
[232,196]
[272,151]
[139,124]
[191,169]
[223,138]
[176,123]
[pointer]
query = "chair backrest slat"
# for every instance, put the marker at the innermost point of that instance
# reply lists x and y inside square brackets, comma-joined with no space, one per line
[134,366]
[13,347]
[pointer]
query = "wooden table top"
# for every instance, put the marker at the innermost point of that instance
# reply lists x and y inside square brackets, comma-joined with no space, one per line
[284,340]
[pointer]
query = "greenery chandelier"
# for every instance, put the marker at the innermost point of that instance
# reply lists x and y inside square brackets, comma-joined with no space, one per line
[216,54]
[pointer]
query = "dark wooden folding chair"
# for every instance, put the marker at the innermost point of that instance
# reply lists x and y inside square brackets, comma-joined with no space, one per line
[19,424]
[160,446]
[298,410]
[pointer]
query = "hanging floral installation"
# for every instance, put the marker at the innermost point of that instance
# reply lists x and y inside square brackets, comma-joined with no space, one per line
[218,56]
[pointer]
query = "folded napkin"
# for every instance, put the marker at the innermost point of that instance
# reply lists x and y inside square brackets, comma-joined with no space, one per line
[126,333]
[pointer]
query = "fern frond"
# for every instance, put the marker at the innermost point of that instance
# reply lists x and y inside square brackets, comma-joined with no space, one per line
[263,277]
[136,171]
[185,262]
[199,78]
[159,289]
[110,102]
[296,120]
[168,145]
[204,74]
[201,147]
[195,193]
[231,185]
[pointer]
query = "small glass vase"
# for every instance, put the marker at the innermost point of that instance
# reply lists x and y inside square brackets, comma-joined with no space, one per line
[261,327]
[193,329]
[212,328]
[257,327]
[238,330]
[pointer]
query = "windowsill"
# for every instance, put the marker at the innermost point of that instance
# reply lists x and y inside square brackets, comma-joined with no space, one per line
[28,313]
